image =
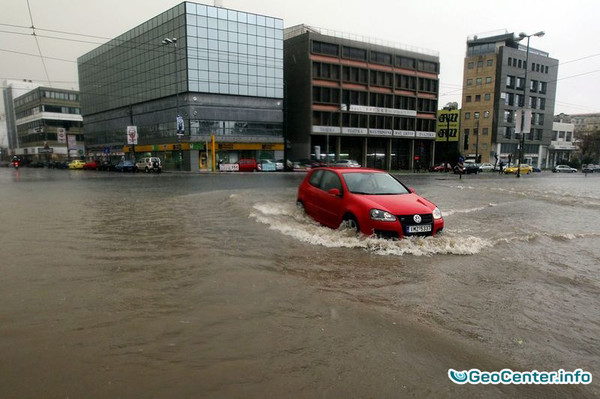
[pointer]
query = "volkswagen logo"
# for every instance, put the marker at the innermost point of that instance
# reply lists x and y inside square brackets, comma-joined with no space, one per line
[417,218]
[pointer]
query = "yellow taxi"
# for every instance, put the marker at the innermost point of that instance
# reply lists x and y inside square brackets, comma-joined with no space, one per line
[525,169]
[76,164]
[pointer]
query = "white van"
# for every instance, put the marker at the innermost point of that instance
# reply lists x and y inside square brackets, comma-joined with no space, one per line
[149,164]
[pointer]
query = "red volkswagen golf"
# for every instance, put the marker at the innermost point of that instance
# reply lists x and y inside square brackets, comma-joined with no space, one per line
[368,200]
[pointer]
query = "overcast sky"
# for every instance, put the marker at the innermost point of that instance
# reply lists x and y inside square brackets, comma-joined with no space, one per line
[572,33]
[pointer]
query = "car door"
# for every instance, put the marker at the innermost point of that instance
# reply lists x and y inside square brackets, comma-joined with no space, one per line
[312,195]
[330,206]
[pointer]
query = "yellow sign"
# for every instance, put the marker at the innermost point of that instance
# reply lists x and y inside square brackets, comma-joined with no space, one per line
[447,122]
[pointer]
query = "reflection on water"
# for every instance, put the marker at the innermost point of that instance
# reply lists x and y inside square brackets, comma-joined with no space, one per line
[216,286]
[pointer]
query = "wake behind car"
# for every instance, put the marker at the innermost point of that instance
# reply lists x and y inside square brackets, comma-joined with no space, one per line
[369,201]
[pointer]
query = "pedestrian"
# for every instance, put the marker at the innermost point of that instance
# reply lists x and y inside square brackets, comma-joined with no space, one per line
[500,167]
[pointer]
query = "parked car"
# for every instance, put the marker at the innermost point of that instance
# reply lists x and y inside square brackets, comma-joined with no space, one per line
[149,164]
[471,168]
[126,166]
[106,165]
[267,165]
[590,168]
[486,167]
[279,165]
[347,163]
[91,165]
[536,169]
[76,164]
[247,165]
[563,169]
[369,201]
[60,164]
[525,169]
[440,168]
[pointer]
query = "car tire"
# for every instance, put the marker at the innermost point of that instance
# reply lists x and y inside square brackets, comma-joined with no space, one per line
[300,207]
[147,170]
[351,223]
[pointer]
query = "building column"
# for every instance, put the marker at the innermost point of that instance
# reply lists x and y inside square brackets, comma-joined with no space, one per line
[388,155]
[338,147]
[411,164]
[365,149]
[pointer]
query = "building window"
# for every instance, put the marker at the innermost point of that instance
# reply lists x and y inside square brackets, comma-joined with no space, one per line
[509,61]
[404,62]
[354,53]
[569,136]
[467,115]
[325,48]
[381,58]
[485,131]
[470,65]
[490,62]
[476,115]
[478,97]
[519,64]
[546,69]
[480,64]
[542,87]
[488,79]
[468,99]
[510,81]
[487,96]
[486,114]
[469,82]
[466,135]
[479,81]
[554,135]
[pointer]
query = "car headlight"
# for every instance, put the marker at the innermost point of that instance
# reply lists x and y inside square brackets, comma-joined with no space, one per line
[437,214]
[383,216]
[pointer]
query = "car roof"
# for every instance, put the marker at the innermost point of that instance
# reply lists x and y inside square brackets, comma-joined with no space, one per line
[350,170]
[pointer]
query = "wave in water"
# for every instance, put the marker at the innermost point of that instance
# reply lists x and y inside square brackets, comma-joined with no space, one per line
[290,221]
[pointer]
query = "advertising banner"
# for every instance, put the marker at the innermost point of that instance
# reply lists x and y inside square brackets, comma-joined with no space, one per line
[448,122]
[132,135]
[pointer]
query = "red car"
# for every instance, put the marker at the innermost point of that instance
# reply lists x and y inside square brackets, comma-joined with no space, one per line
[91,165]
[247,165]
[369,201]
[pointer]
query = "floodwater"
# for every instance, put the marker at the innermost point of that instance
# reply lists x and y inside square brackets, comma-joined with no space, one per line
[189,286]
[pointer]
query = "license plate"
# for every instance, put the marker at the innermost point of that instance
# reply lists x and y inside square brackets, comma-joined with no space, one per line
[419,229]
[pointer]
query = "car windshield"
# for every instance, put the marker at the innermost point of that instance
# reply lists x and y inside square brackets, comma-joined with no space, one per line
[373,183]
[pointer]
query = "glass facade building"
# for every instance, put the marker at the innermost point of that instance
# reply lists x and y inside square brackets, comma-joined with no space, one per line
[222,71]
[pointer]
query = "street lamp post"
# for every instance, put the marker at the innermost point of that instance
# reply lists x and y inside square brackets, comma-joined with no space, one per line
[522,36]
[179,120]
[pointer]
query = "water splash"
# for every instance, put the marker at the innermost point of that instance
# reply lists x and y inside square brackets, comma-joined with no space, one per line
[288,220]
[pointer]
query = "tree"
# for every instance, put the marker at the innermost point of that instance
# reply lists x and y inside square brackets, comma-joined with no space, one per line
[590,147]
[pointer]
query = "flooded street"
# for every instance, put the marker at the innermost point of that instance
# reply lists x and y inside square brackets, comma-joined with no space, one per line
[187,286]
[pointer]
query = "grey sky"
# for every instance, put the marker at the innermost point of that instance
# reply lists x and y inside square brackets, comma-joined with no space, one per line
[571,31]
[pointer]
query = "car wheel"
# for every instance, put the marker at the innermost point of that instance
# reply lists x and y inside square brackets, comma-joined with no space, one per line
[351,223]
[300,207]
[147,170]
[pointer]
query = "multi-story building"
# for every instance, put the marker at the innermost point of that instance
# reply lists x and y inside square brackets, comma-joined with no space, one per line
[13,89]
[49,124]
[562,146]
[585,124]
[358,98]
[221,70]
[494,89]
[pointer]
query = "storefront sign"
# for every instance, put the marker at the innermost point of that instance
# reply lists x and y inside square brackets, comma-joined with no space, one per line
[426,135]
[355,130]
[326,129]
[380,132]
[404,133]
[379,110]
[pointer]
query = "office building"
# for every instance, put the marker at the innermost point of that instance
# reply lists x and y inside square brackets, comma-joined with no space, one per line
[48,124]
[11,90]
[358,98]
[221,70]
[495,93]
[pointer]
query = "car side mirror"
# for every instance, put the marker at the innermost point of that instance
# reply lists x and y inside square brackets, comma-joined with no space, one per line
[334,192]
[412,190]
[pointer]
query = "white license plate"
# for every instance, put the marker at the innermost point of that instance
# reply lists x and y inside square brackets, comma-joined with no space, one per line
[419,229]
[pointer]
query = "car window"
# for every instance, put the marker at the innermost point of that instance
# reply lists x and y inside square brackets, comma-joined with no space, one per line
[330,180]
[373,183]
[315,178]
